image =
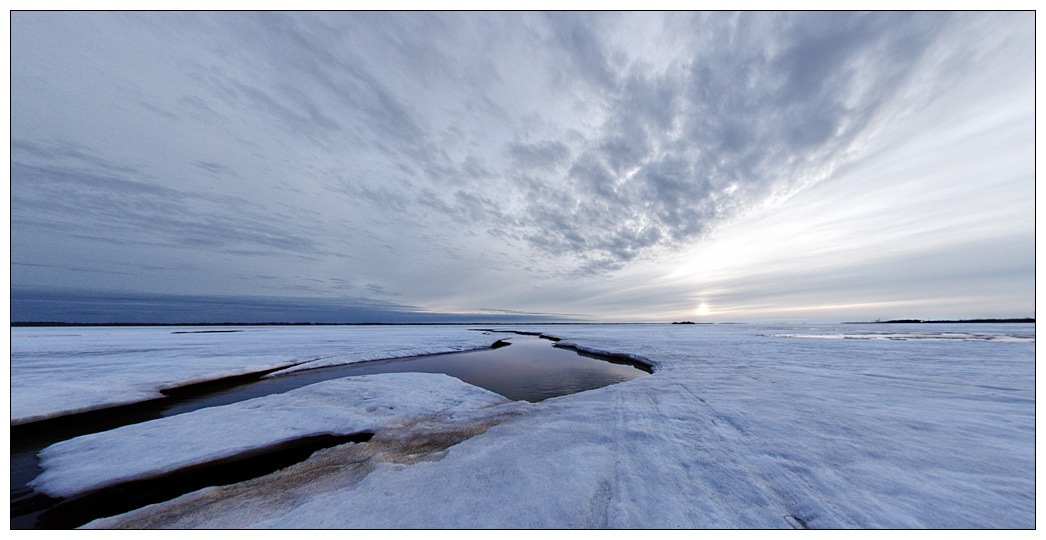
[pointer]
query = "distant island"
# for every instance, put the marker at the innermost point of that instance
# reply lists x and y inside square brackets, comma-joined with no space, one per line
[909,321]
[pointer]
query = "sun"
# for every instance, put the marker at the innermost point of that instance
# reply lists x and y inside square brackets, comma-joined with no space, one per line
[702,309]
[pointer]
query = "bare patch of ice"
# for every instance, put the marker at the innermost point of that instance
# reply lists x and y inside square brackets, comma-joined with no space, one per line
[339,407]
[54,374]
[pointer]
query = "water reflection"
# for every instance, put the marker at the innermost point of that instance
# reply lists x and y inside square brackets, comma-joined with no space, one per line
[530,370]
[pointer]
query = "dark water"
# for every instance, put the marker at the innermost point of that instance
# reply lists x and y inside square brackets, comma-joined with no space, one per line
[529,369]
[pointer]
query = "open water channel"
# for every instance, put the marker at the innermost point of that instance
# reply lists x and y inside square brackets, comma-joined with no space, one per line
[519,367]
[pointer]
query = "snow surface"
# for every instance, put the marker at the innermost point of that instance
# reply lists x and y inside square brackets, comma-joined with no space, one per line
[56,371]
[1015,334]
[338,407]
[741,426]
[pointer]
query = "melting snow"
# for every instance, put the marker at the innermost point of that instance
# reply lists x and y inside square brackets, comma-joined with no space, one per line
[339,407]
[62,372]
[736,428]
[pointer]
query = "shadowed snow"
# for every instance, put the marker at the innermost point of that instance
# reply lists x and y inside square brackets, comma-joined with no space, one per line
[735,429]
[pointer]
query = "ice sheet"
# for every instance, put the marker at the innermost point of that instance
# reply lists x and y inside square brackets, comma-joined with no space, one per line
[56,371]
[738,428]
[338,407]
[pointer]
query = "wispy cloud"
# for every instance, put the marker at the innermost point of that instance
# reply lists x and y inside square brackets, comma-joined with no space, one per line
[127,212]
[105,307]
[445,156]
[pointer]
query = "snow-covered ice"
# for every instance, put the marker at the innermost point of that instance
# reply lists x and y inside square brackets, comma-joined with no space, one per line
[338,407]
[56,371]
[925,331]
[741,426]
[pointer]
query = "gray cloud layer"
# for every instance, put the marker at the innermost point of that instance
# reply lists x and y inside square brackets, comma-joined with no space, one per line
[50,306]
[361,145]
[719,131]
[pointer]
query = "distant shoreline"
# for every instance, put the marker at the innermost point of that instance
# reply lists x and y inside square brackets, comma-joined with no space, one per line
[55,324]
[960,321]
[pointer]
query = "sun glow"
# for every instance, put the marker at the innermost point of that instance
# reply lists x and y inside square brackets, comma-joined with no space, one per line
[702,309]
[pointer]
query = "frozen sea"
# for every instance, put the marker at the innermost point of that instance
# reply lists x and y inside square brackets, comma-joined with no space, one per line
[740,426]
[57,371]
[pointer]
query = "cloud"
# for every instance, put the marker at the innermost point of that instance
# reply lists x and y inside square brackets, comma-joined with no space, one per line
[103,307]
[542,155]
[574,35]
[719,132]
[672,151]
[124,210]
[443,157]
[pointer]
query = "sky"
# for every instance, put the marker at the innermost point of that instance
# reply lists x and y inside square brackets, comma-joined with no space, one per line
[618,167]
